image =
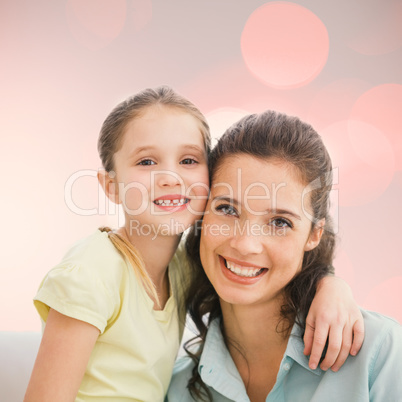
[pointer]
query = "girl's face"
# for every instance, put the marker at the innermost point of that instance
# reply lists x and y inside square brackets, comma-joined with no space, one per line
[161,172]
[255,230]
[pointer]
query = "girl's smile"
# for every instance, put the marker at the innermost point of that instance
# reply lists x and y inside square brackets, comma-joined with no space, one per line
[161,170]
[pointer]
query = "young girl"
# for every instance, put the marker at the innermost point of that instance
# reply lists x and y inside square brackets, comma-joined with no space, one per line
[257,289]
[114,306]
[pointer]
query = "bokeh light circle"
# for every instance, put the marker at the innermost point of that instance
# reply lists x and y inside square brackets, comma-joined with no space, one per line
[333,102]
[284,44]
[365,160]
[96,23]
[386,298]
[381,107]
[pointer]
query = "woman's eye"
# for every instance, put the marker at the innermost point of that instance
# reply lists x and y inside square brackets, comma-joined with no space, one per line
[281,223]
[188,161]
[147,162]
[226,209]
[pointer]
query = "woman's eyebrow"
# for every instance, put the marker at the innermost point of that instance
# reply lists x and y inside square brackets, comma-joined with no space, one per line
[283,212]
[229,200]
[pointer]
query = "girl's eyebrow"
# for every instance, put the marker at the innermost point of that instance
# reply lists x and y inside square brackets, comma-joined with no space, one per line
[142,149]
[269,210]
[193,147]
[147,148]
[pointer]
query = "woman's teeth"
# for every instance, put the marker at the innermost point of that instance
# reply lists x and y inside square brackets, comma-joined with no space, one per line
[239,270]
[172,203]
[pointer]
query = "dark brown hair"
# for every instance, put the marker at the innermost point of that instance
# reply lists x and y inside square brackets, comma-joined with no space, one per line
[268,136]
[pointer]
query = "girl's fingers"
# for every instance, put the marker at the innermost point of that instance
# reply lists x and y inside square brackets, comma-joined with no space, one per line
[358,336]
[334,347]
[308,338]
[319,341]
[347,337]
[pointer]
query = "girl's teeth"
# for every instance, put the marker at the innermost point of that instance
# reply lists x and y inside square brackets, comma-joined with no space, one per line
[248,272]
[170,203]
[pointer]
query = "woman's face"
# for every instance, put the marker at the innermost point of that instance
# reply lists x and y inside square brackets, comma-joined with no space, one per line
[255,229]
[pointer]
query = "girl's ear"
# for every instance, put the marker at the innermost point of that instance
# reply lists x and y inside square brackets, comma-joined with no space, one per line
[315,235]
[109,184]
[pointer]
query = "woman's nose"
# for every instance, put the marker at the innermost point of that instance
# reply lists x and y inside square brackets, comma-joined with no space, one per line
[246,243]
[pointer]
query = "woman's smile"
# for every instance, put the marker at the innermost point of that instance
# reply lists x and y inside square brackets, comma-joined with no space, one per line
[253,243]
[242,270]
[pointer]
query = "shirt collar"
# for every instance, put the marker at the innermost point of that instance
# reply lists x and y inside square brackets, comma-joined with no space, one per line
[218,370]
[295,350]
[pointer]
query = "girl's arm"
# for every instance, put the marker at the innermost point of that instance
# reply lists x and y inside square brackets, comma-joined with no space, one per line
[63,355]
[333,315]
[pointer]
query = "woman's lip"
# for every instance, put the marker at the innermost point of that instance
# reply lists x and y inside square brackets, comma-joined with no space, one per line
[243,280]
[245,264]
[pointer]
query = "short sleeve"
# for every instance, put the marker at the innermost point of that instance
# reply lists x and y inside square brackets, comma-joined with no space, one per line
[78,291]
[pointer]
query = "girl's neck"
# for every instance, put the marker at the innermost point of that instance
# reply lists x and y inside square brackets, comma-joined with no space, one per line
[156,252]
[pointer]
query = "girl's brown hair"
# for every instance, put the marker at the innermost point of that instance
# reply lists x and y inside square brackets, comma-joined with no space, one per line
[268,136]
[110,141]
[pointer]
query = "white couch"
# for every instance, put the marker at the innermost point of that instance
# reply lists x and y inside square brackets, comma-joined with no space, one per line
[18,352]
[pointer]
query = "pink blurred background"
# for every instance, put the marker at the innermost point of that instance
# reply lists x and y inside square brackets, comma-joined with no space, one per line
[65,64]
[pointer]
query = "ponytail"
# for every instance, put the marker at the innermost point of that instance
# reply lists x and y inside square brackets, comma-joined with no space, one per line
[128,251]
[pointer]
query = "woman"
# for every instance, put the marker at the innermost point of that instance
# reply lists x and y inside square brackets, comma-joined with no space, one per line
[265,242]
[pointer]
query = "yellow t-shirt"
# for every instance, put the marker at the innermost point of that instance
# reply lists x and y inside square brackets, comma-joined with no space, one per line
[134,355]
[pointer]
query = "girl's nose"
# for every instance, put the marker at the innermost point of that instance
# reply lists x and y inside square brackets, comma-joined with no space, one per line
[246,243]
[167,178]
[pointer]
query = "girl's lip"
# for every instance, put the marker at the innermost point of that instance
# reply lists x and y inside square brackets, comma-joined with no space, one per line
[243,280]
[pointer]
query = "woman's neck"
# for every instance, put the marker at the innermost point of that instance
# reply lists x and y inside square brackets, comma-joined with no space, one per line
[254,327]
[256,344]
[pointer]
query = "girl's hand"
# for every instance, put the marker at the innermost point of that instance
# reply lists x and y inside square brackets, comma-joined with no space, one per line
[333,315]
[62,358]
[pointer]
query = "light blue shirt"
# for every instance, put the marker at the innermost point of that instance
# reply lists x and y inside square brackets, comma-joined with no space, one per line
[375,374]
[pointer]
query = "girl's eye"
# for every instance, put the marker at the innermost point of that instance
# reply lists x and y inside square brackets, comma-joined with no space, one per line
[147,162]
[188,161]
[281,223]
[226,209]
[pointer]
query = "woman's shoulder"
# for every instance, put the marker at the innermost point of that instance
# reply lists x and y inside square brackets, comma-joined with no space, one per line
[378,326]
[382,354]
[382,340]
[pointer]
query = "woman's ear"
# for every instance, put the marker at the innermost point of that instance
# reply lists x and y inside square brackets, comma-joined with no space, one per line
[315,235]
[109,184]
